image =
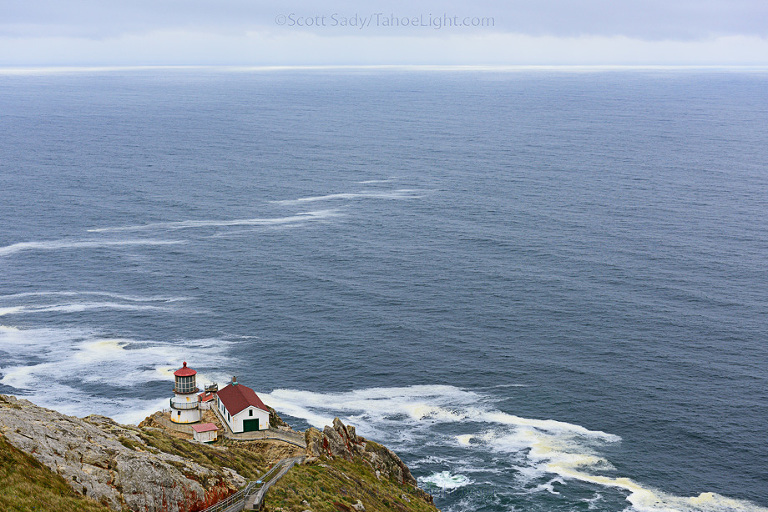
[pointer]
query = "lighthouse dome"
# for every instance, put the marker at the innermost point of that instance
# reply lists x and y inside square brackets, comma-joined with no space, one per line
[185,380]
[185,371]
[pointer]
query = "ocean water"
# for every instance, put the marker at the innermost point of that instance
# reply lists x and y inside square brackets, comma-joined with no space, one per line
[546,290]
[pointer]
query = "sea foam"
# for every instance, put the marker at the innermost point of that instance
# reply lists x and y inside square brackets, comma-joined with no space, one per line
[58,367]
[446,480]
[535,448]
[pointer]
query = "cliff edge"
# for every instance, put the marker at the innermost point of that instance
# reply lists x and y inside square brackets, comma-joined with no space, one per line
[52,461]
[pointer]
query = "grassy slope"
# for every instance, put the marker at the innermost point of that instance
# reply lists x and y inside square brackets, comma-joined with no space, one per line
[328,486]
[335,485]
[27,485]
[245,459]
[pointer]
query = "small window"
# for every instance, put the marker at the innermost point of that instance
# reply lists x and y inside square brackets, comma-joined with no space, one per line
[178,413]
[250,412]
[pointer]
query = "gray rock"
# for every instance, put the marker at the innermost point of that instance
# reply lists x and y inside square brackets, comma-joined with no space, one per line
[334,443]
[89,455]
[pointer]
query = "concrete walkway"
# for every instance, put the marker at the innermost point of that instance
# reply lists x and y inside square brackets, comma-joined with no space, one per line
[255,500]
[252,495]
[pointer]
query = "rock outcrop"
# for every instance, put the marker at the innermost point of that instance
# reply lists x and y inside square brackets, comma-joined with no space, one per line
[110,462]
[342,440]
[150,469]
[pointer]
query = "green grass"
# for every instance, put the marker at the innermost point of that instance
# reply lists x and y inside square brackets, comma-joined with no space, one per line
[338,486]
[27,485]
[244,459]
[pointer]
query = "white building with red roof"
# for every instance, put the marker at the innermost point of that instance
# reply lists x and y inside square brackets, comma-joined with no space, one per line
[205,432]
[185,404]
[241,408]
[207,399]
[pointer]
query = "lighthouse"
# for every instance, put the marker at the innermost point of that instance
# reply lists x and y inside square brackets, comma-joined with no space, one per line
[185,404]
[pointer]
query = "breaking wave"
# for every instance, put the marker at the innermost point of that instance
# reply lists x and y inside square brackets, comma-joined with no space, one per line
[538,452]
[62,368]
[445,480]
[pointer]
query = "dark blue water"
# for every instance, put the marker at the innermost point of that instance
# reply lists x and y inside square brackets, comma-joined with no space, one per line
[546,290]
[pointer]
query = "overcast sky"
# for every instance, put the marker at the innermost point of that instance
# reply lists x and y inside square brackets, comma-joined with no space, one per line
[317,32]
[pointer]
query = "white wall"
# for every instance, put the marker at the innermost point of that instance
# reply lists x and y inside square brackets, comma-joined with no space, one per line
[236,422]
[205,437]
[185,416]
[261,415]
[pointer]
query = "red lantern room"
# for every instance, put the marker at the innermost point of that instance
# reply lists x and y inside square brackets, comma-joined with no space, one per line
[185,380]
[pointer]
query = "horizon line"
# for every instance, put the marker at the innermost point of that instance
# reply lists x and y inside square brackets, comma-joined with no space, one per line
[22,70]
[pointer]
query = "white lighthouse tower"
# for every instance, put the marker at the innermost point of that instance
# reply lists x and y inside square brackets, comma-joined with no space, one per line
[185,404]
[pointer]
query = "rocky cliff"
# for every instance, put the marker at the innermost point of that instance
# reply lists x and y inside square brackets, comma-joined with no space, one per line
[344,472]
[147,469]
[342,440]
[111,463]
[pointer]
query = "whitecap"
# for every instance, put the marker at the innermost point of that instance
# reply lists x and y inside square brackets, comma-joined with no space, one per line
[446,480]
[547,486]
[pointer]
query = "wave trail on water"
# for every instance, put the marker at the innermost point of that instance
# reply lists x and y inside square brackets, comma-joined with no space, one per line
[85,306]
[119,296]
[373,182]
[538,452]
[53,245]
[53,302]
[404,193]
[299,218]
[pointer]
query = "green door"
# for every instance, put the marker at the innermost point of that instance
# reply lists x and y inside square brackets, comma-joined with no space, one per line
[250,425]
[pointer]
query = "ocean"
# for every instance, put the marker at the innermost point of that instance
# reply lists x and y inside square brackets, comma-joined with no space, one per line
[547,290]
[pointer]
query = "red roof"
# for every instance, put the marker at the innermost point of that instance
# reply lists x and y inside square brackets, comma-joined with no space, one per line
[207,397]
[184,371]
[237,397]
[204,427]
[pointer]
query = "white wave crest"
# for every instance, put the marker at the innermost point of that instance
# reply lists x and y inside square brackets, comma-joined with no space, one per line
[299,218]
[53,245]
[57,368]
[446,480]
[11,310]
[371,182]
[367,194]
[536,447]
